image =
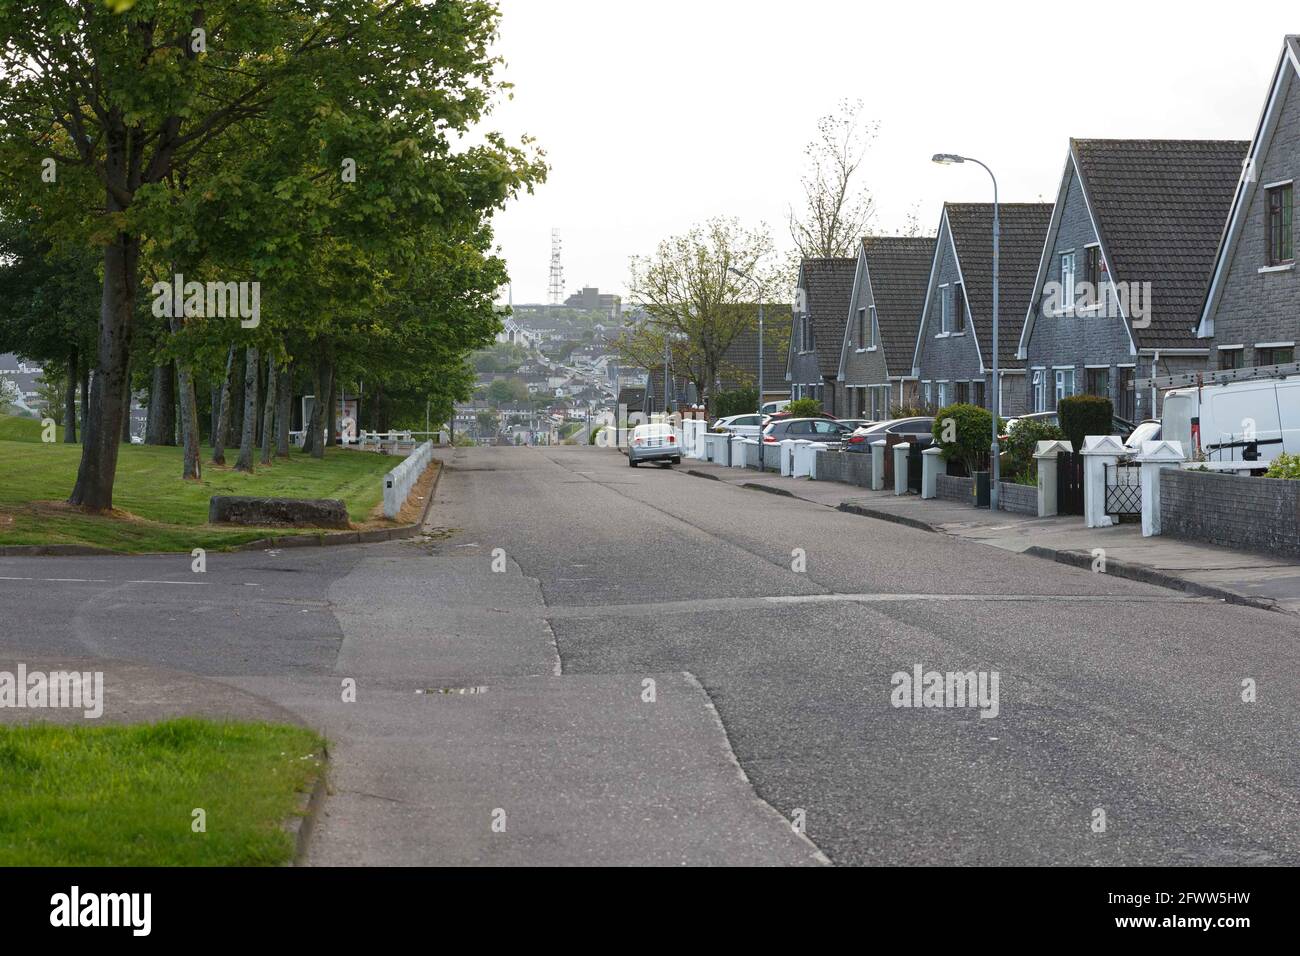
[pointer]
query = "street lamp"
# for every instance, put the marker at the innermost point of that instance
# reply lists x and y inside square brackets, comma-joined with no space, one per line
[746,275]
[949,159]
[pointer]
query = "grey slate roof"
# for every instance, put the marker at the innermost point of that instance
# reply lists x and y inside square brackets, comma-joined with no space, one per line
[1161,207]
[899,267]
[633,398]
[1024,228]
[740,361]
[828,286]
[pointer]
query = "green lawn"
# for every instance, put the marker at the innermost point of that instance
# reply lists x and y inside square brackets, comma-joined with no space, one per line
[161,512]
[125,796]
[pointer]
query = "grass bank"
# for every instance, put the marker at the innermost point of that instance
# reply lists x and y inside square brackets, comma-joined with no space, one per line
[126,796]
[155,509]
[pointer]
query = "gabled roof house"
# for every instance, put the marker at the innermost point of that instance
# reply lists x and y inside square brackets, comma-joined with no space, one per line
[820,311]
[1124,269]
[889,283]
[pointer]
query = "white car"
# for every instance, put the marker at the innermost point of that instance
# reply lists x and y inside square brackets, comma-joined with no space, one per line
[653,443]
[769,407]
[746,425]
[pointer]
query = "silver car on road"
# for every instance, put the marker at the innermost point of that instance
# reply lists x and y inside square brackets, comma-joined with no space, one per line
[653,443]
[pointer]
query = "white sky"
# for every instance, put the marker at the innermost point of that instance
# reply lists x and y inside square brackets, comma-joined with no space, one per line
[657,115]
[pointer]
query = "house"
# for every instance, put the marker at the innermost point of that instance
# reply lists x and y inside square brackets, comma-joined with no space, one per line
[889,284]
[682,391]
[821,309]
[739,366]
[1252,307]
[633,399]
[953,357]
[1124,268]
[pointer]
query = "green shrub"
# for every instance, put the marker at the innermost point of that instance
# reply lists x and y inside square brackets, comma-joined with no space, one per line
[911,411]
[964,433]
[740,401]
[804,408]
[1022,441]
[1083,415]
[1284,466]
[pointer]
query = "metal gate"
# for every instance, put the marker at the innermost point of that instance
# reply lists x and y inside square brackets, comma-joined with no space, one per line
[1069,483]
[915,462]
[1124,490]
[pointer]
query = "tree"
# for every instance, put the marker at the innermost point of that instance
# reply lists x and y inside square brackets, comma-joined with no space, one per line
[487,422]
[158,109]
[836,211]
[694,304]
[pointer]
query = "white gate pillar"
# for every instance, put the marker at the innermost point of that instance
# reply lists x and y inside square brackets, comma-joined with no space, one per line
[901,451]
[1154,458]
[931,462]
[1099,451]
[878,465]
[1045,455]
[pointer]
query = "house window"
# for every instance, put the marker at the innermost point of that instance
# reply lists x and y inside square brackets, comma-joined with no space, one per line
[871,329]
[1125,395]
[1098,382]
[1067,281]
[927,394]
[977,393]
[959,308]
[1275,355]
[963,393]
[1281,249]
[945,390]
[1064,384]
[862,334]
[1230,358]
[945,309]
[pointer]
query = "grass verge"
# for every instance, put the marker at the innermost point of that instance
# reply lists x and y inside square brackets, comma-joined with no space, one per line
[126,796]
[155,509]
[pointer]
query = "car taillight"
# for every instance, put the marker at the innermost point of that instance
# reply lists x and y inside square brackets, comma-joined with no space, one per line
[636,441]
[769,439]
[672,439]
[857,439]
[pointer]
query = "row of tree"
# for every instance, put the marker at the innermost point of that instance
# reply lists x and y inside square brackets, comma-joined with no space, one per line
[308,160]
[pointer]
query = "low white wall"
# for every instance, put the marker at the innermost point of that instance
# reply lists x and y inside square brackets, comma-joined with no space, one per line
[399,482]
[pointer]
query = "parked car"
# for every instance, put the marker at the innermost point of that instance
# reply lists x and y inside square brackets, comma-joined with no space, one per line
[856,423]
[919,431]
[1119,426]
[767,408]
[824,430]
[1148,430]
[747,425]
[653,443]
[784,415]
[1253,420]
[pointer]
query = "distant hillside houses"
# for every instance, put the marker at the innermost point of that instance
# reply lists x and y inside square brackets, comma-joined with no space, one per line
[516,334]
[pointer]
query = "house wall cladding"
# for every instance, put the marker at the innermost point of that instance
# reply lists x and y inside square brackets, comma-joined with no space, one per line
[953,358]
[1250,514]
[1074,340]
[955,489]
[1017,499]
[1253,307]
[865,367]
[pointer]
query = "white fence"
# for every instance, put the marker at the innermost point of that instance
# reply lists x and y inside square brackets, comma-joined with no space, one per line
[399,482]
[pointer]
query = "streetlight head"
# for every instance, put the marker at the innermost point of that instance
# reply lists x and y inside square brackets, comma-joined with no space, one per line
[947,159]
[733,269]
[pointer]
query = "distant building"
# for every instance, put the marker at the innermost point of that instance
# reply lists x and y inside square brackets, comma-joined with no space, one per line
[591,299]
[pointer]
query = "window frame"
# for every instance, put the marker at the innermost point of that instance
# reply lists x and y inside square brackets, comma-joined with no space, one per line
[1068,288]
[1279,223]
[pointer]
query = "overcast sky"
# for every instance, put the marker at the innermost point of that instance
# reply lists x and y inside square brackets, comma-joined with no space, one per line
[657,115]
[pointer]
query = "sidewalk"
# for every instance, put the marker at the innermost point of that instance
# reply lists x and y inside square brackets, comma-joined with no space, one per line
[1234,576]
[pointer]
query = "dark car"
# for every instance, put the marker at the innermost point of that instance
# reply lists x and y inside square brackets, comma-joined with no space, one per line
[825,430]
[918,431]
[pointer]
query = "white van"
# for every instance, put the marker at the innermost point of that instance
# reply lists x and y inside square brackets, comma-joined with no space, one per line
[1253,421]
[769,407]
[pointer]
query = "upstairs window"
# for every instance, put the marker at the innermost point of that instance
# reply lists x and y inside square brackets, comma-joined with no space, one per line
[1281,247]
[863,334]
[1067,282]
[959,308]
[945,309]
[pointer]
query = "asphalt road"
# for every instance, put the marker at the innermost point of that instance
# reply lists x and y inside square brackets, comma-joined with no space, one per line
[501,663]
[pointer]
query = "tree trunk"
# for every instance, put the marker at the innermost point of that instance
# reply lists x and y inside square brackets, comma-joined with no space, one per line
[248,433]
[284,403]
[268,413]
[126,407]
[323,376]
[161,429]
[223,413]
[189,416]
[70,401]
[85,395]
[310,435]
[94,488]
[236,404]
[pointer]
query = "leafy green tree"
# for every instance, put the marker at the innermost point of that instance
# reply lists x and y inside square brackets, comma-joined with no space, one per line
[964,433]
[804,408]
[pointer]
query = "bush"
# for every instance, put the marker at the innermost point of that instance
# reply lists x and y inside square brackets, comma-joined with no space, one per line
[740,401]
[1022,441]
[804,408]
[1284,466]
[1083,415]
[970,429]
[911,411]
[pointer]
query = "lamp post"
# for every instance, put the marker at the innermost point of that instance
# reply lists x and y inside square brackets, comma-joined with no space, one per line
[746,275]
[946,159]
